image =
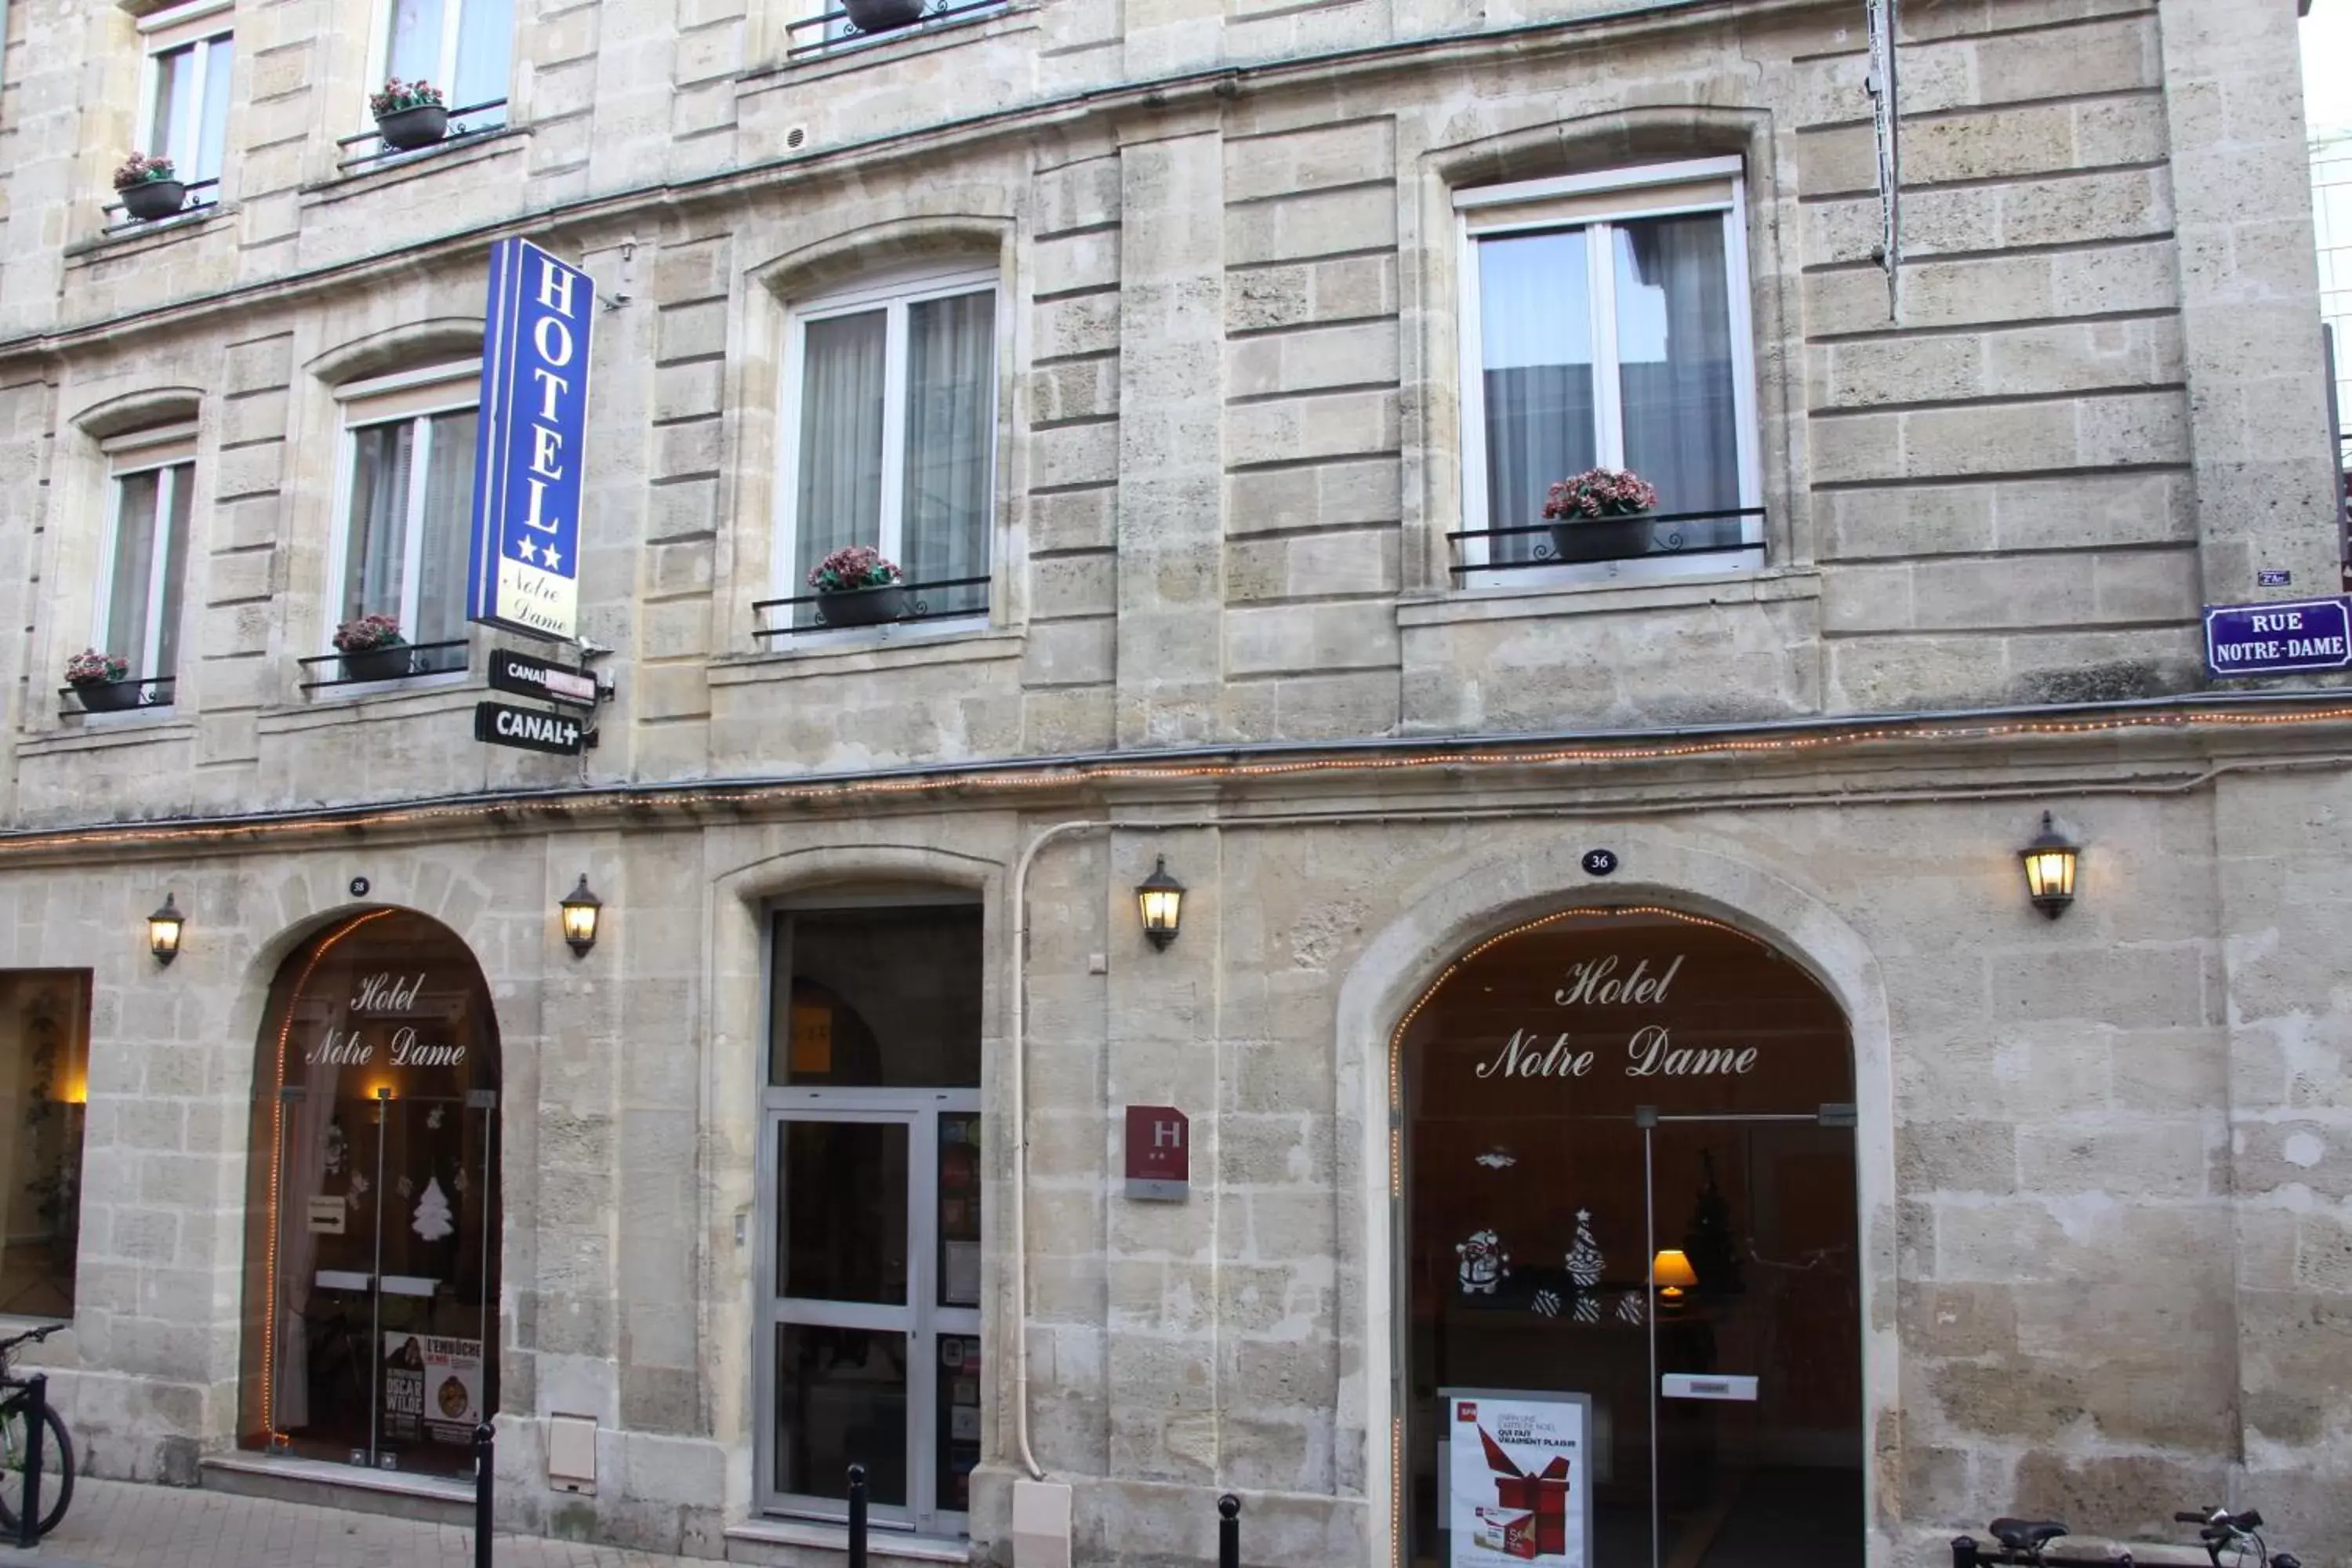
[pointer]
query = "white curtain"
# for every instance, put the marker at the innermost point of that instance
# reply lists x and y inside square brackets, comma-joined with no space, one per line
[212,129]
[134,564]
[840,491]
[308,1123]
[413,51]
[175,574]
[485,54]
[944,510]
[449,520]
[1535,322]
[379,525]
[1674,350]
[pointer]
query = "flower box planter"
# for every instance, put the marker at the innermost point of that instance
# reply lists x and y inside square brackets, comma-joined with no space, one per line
[107,696]
[862,606]
[1601,538]
[150,199]
[392,663]
[406,130]
[883,15]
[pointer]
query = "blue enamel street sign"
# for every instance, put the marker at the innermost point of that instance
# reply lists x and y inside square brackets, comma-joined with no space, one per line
[524,574]
[2284,637]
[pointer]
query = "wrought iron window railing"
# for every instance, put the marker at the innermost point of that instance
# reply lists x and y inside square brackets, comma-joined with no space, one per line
[378,664]
[202,196]
[471,123]
[125,696]
[946,598]
[1588,541]
[834,32]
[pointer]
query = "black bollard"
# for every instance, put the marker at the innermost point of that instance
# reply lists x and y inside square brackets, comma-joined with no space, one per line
[857,1516]
[485,1469]
[36,1410]
[1229,1532]
[1964,1552]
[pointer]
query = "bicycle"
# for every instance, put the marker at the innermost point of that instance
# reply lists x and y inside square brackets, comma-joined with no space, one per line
[2029,1543]
[57,1446]
[2239,1535]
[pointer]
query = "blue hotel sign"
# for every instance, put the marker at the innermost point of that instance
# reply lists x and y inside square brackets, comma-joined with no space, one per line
[525,570]
[2284,637]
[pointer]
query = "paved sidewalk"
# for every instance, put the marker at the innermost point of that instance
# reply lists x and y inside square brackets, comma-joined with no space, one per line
[119,1524]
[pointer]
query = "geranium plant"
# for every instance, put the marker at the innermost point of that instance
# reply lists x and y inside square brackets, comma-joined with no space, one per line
[1601,492]
[91,667]
[851,567]
[396,95]
[367,634]
[141,170]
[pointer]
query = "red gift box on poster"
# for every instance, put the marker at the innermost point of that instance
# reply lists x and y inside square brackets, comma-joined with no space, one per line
[1545,1494]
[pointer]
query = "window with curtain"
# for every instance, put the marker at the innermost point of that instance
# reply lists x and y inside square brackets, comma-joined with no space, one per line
[1606,326]
[408,511]
[184,117]
[146,555]
[466,47]
[892,413]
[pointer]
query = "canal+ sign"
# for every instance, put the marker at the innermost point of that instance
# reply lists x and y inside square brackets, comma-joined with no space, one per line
[2284,637]
[524,574]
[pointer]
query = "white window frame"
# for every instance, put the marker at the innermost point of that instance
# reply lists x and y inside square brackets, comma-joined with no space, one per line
[1582,201]
[415,394]
[895,292]
[164,449]
[453,27]
[205,24]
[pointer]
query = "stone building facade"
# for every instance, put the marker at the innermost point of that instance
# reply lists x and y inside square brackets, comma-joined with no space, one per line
[1241,338]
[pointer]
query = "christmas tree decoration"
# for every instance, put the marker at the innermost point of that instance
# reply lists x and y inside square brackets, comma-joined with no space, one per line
[405,1187]
[1588,1308]
[1498,1159]
[1584,1261]
[1708,1240]
[433,1213]
[1545,1304]
[1629,1307]
[1483,1265]
[433,1118]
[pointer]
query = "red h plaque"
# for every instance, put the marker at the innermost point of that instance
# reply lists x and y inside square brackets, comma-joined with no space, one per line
[1159,1154]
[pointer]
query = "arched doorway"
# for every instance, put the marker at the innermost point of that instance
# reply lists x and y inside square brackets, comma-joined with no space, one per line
[1631,1277]
[372,1231]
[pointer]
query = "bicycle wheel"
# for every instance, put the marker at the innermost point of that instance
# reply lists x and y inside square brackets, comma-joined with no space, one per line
[57,1468]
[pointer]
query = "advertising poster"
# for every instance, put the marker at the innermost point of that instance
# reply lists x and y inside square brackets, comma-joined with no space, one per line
[432,1388]
[1520,1487]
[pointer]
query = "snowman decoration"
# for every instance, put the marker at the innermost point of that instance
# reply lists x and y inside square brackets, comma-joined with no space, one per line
[1483,1265]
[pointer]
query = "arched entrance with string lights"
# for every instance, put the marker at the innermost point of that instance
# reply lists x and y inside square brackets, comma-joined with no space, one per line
[1630,1288]
[372,1232]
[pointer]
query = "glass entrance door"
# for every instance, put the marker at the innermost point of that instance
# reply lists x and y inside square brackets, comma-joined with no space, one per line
[873,1340]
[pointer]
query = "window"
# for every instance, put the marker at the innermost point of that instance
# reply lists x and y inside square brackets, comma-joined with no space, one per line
[145,563]
[184,114]
[408,502]
[44,1088]
[1605,325]
[891,423]
[464,47]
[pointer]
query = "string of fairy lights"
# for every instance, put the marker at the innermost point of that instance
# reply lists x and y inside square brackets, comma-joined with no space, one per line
[1043,777]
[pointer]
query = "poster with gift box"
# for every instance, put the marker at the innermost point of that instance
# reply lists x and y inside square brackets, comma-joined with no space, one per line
[1519,1481]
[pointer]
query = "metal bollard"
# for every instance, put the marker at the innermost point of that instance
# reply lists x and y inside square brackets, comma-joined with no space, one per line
[857,1516]
[1229,1532]
[1964,1552]
[484,1469]
[36,1410]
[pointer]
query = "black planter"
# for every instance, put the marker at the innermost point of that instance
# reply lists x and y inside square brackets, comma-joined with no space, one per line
[107,696]
[380,663]
[150,199]
[862,606]
[1601,539]
[409,129]
[881,16]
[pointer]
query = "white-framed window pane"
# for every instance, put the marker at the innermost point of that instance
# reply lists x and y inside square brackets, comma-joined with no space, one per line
[137,504]
[448,518]
[375,556]
[838,501]
[413,50]
[951,396]
[212,131]
[174,78]
[484,52]
[1674,367]
[175,574]
[1535,329]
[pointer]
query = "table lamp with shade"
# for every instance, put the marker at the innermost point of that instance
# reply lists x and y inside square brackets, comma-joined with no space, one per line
[1671,1272]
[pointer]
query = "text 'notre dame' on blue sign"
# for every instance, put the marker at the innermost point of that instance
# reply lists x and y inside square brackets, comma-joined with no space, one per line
[525,567]
[2285,636]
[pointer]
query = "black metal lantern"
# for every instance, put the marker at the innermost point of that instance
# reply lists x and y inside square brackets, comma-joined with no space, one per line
[2049,861]
[1160,899]
[163,931]
[582,910]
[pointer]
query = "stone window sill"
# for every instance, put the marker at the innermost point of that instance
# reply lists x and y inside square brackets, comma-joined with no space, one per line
[99,731]
[1539,601]
[459,153]
[411,696]
[836,654]
[143,237]
[900,44]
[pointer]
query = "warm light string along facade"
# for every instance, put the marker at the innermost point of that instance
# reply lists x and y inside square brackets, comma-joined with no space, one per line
[1062,778]
[277,1158]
